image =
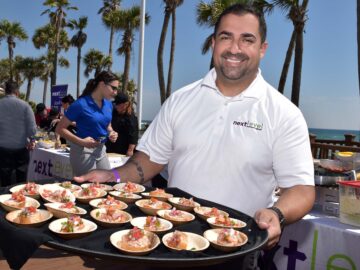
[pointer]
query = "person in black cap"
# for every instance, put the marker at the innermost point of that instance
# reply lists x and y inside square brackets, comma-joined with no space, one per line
[50,122]
[125,123]
[41,113]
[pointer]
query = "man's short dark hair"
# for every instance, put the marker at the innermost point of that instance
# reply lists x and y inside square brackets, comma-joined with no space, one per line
[242,9]
[11,87]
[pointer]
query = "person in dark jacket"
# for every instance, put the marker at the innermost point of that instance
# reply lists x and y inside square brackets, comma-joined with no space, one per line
[125,123]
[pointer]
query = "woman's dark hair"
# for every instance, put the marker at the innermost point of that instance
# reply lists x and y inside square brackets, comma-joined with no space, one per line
[242,9]
[68,99]
[103,76]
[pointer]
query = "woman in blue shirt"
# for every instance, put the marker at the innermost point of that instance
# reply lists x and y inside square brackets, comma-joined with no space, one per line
[92,113]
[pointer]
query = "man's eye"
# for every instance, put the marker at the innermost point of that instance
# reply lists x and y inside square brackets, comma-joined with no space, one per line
[224,38]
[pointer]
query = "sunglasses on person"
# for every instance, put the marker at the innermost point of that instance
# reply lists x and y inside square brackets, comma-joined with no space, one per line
[114,88]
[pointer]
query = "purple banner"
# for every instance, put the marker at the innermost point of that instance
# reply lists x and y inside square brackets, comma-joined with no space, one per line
[57,93]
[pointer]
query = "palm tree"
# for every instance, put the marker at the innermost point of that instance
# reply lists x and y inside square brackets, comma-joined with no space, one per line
[207,15]
[12,31]
[170,10]
[107,17]
[95,60]
[358,37]
[57,18]
[78,40]
[127,20]
[296,12]
[30,68]
[5,71]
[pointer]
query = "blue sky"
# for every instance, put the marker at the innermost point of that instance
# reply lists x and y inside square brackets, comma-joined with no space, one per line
[329,88]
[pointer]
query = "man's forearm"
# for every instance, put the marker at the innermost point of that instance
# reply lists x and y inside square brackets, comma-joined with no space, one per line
[139,168]
[296,202]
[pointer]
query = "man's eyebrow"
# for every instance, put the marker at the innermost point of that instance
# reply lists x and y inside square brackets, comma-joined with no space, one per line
[224,33]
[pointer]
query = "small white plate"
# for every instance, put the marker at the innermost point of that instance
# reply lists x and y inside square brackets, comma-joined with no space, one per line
[98,185]
[58,212]
[17,188]
[176,220]
[99,203]
[96,212]
[140,222]
[195,242]
[235,223]
[161,197]
[212,236]
[10,205]
[42,216]
[71,187]
[202,212]
[53,188]
[116,240]
[129,187]
[125,197]
[175,201]
[148,210]
[87,198]
[56,225]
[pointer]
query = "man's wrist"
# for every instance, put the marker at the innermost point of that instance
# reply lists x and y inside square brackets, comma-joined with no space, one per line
[279,214]
[116,175]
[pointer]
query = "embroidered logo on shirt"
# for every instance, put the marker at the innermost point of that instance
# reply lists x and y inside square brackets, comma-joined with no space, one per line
[249,124]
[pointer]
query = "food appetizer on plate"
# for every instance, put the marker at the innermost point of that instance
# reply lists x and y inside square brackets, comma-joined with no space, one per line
[150,206]
[176,216]
[61,210]
[109,201]
[135,241]
[225,222]
[17,200]
[55,193]
[129,187]
[226,239]
[126,197]
[97,185]
[206,212]
[158,193]
[88,193]
[178,240]
[72,227]
[69,185]
[183,203]
[152,223]
[110,216]
[30,189]
[29,216]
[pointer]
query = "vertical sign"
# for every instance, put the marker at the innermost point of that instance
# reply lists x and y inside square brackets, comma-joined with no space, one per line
[57,93]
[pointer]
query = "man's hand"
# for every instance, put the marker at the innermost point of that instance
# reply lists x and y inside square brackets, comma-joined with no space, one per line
[267,219]
[98,176]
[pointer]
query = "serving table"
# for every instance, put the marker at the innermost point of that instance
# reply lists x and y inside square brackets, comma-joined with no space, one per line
[18,244]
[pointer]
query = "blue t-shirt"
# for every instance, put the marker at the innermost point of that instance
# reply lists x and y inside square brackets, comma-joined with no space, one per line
[91,121]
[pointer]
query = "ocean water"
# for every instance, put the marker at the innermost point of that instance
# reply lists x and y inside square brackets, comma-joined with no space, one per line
[333,134]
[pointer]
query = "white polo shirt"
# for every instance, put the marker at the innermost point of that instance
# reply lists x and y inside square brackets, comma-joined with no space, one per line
[233,151]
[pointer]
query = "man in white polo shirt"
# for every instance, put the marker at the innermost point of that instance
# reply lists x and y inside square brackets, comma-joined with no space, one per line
[231,137]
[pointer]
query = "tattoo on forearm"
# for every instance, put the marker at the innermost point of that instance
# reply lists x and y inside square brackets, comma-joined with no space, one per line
[138,169]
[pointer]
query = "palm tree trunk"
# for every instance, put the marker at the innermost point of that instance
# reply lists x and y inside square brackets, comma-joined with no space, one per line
[45,89]
[358,37]
[78,72]
[110,46]
[28,90]
[160,63]
[56,50]
[295,95]
[172,52]
[11,53]
[287,62]
[126,68]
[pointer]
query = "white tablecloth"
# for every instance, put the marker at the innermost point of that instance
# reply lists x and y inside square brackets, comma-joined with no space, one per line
[54,163]
[319,242]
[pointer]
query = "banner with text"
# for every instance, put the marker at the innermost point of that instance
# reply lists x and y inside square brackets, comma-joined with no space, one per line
[57,93]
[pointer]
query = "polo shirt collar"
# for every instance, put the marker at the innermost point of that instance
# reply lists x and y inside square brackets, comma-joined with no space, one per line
[254,90]
[92,102]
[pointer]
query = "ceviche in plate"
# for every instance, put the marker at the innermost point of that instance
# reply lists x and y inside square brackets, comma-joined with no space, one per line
[97,185]
[72,227]
[225,222]
[176,216]
[135,241]
[151,206]
[55,193]
[88,193]
[179,240]
[152,223]
[226,239]
[184,204]
[110,217]
[129,187]
[206,212]
[16,201]
[109,201]
[126,197]
[158,193]
[29,216]
[29,189]
[69,185]
[62,210]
